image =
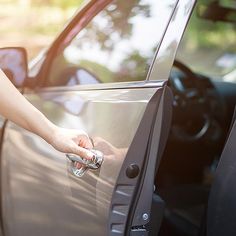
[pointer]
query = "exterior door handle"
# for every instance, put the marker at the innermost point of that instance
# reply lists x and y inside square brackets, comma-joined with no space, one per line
[93,164]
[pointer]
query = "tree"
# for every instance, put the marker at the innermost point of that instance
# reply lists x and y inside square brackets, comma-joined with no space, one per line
[117,23]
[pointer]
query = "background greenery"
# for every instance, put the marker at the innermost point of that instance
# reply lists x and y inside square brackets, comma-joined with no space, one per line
[33,24]
[206,41]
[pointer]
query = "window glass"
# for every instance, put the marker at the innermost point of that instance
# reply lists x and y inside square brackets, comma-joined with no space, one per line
[117,45]
[208,47]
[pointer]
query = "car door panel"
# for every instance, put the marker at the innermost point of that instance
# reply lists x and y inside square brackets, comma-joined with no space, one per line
[39,190]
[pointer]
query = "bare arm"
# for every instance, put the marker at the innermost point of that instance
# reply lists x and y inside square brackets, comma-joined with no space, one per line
[16,108]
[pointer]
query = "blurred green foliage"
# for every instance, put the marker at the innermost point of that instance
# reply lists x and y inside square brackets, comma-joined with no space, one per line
[64,4]
[206,41]
[40,21]
[118,17]
[208,34]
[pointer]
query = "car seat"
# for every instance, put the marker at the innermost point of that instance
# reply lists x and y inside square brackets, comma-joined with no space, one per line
[221,212]
[187,213]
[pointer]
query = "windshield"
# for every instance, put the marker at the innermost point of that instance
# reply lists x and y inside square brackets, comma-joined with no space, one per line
[209,47]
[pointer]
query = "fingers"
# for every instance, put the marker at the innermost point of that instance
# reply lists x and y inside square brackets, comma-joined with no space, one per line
[77,165]
[91,141]
[89,145]
[83,152]
[85,143]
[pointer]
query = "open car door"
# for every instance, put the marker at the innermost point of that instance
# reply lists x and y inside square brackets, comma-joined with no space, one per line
[42,192]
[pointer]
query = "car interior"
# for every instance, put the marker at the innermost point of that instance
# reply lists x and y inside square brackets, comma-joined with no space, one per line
[203,83]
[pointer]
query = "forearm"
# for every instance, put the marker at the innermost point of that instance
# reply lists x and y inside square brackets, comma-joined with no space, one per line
[16,108]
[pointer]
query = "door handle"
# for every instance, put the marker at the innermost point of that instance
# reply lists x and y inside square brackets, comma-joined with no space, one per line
[93,164]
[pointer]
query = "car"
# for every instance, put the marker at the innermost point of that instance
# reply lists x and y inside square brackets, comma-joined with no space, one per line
[157,107]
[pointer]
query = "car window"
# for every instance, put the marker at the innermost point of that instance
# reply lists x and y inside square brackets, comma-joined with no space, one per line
[116,46]
[208,47]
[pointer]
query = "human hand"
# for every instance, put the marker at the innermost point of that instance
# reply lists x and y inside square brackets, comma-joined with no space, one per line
[71,141]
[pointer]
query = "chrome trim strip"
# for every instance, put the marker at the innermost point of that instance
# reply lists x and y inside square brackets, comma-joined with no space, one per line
[106,86]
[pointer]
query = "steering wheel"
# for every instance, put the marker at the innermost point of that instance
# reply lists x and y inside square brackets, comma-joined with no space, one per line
[192,112]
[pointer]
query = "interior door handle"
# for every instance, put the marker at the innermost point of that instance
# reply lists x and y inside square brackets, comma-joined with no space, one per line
[93,164]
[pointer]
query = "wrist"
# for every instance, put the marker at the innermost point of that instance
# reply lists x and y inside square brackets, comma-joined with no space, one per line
[43,127]
[50,133]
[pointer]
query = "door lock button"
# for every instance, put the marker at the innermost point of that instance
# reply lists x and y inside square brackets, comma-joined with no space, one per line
[132,171]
